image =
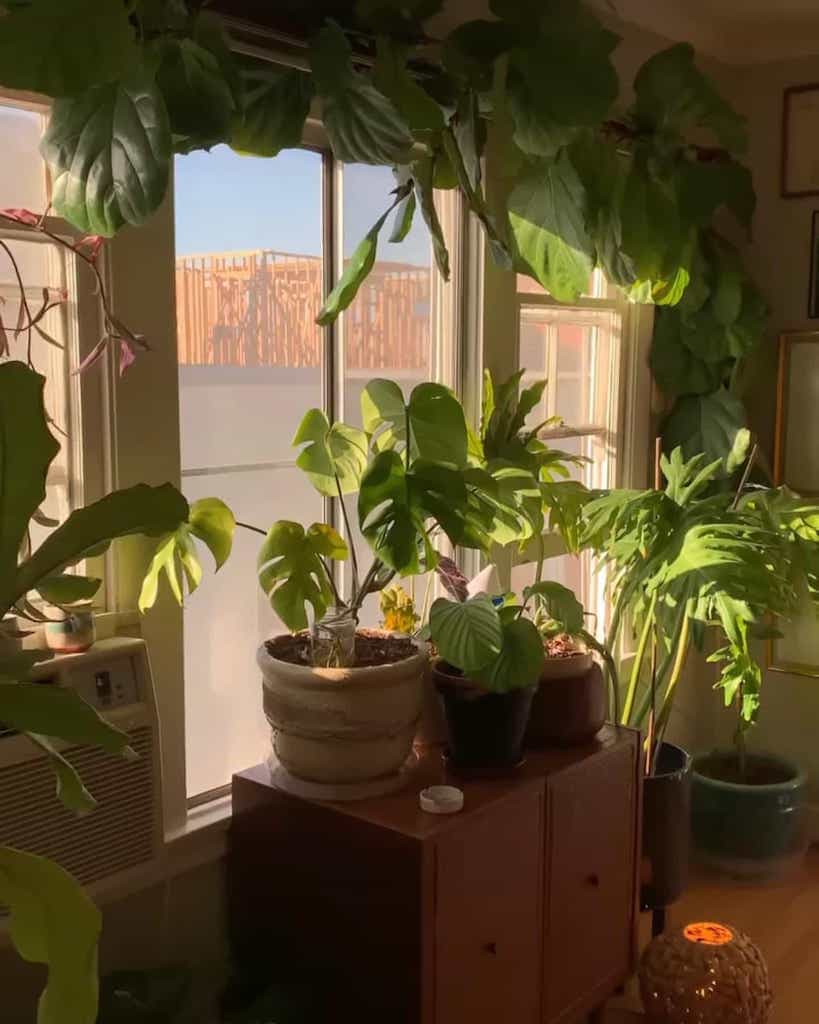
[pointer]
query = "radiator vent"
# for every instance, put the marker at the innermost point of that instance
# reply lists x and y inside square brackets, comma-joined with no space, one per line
[117,835]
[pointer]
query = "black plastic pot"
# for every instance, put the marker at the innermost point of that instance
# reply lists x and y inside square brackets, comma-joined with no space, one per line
[485,729]
[666,828]
[751,825]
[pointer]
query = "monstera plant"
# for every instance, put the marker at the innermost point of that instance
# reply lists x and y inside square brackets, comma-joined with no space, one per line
[587,179]
[52,920]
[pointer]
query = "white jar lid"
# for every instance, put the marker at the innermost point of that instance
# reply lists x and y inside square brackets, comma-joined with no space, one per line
[441,799]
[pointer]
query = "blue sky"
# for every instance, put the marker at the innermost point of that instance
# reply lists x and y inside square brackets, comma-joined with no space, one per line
[224,201]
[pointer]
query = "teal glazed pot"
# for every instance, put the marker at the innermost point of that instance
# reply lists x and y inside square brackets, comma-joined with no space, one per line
[753,827]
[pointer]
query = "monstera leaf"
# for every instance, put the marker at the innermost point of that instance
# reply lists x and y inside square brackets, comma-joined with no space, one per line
[292,570]
[335,456]
[546,211]
[53,922]
[391,517]
[275,106]
[63,47]
[109,150]
[212,522]
[362,125]
[434,415]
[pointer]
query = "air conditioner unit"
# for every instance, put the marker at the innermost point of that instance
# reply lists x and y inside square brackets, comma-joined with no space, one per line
[121,839]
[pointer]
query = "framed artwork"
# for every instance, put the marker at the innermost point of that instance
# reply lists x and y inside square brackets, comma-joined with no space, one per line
[813,287]
[800,141]
[796,464]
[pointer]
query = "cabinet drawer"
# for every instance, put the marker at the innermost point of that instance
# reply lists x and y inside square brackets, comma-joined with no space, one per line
[488,916]
[590,821]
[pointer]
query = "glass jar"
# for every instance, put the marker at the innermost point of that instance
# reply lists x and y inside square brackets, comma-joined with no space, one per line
[333,639]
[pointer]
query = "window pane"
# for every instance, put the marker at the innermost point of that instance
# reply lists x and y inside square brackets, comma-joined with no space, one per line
[249,285]
[598,287]
[225,621]
[575,350]
[22,171]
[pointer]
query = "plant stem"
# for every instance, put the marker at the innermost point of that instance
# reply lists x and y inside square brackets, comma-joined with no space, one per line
[328,572]
[611,671]
[662,671]
[349,533]
[254,529]
[637,667]
[676,672]
[739,736]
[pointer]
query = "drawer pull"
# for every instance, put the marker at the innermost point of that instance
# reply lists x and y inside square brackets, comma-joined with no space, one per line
[593,880]
[491,948]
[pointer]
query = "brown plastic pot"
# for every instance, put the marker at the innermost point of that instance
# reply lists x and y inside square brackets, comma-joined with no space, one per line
[570,705]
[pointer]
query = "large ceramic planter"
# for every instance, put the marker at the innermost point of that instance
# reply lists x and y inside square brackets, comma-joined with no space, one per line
[569,705]
[666,828]
[485,729]
[343,725]
[751,828]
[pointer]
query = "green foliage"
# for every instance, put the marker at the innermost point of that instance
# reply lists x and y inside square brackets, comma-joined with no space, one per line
[87,43]
[335,456]
[275,105]
[496,648]
[433,415]
[176,557]
[562,611]
[713,424]
[53,922]
[109,151]
[292,570]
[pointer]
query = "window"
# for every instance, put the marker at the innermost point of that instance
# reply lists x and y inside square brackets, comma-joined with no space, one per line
[258,244]
[580,351]
[55,279]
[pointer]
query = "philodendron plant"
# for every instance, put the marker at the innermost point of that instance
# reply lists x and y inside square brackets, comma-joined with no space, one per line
[53,921]
[420,473]
[687,558]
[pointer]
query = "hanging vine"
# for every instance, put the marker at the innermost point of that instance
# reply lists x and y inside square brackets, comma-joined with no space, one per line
[637,191]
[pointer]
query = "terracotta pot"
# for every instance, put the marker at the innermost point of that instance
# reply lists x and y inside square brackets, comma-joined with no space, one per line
[485,729]
[570,704]
[343,725]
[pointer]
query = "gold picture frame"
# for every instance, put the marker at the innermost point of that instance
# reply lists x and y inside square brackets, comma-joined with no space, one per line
[797,402]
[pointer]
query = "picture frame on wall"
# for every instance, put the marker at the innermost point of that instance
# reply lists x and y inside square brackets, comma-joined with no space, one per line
[813,284]
[796,465]
[800,141]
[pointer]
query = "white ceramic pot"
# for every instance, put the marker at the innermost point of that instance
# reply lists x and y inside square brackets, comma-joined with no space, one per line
[343,725]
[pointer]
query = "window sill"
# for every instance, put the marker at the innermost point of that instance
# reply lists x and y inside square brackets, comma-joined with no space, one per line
[202,838]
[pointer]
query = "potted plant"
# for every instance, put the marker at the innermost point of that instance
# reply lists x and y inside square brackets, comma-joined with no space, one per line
[344,702]
[489,660]
[686,559]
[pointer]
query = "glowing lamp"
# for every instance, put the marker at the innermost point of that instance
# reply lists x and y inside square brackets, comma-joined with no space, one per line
[704,973]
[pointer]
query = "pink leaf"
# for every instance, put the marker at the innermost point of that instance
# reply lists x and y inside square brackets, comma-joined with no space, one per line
[21,216]
[91,242]
[94,355]
[126,356]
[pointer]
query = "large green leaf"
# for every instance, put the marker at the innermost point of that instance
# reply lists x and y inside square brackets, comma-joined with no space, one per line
[362,125]
[275,106]
[391,519]
[109,150]
[391,77]
[435,417]
[677,369]
[520,661]
[53,922]
[359,265]
[334,457]
[705,186]
[559,603]
[546,211]
[62,47]
[71,791]
[199,99]
[67,589]
[58,712]
[653,235]
[140,509]
[673,94]
[467,634]
[423,172]
[471,49]
[27,449]
[292,572]
[713,424]
[176,556]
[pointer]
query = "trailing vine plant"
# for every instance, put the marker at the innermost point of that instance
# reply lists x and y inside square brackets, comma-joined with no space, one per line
[637,190]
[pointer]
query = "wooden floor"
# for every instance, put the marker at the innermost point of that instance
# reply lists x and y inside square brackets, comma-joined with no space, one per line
[781,917]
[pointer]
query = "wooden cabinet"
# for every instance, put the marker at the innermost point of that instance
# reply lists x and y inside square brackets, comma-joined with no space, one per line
[521,908]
